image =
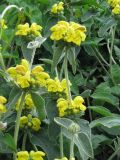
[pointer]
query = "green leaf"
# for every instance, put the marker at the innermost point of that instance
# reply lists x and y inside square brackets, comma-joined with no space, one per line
[8,140]
[42,140]
[63,122]
[106,25]
[27,53]
[101,110]
[72,58]
[117,52]
[39,104]
[103,93]
[83,143]
[115,72]
[108,122]
[45,60]
[98,139]
[14,96]
[116,90]
[58,53]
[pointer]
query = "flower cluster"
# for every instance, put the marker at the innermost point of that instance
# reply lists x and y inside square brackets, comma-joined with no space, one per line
[3,100]
[70,32]
[115,4]
[25,78]
[28,104]
[55,85]
[3,24]
[25,29]
[66,107]
[22,75]
[28,121]
[57,7]
[24,155]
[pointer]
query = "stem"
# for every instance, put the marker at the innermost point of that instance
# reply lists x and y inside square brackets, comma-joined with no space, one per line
[24,141]
[17,125]
[90,113]
[72,148]
[102,58]
[66,77]
[61,144]
[33,55]
[111,49]
[1,57]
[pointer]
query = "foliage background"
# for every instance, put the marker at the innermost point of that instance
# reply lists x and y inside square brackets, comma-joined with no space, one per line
[96,79]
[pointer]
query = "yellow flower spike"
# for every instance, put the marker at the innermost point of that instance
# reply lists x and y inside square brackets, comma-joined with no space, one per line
[36,124]
[23,155]
[2,108]
[37,69]
[23,121]
[2,24]
[23,29]
[37,155]
[3,100]
[35,29]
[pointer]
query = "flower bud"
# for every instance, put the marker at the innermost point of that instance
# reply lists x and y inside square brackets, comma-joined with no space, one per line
[74,128]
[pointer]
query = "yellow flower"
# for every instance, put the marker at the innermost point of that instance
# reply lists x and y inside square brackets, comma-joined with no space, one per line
[36,124]
[25,63]
[78,100]
[20,69]
[113,3]
[24,81]
[41,78]
[59,30]
[60,6]
[2,24]
[12,72]
[82,107]
[69,32]
[2,108]
[22,29]
[23,121]
[54,9]
[37,155]
[3,100]
[66,107]
[35,29]
[23,155]
[29,102]
[37,69]
[57,7]
[116,10]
